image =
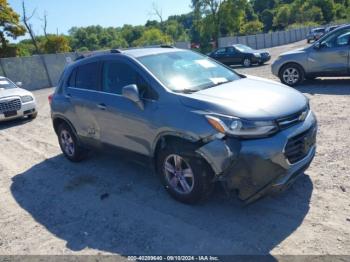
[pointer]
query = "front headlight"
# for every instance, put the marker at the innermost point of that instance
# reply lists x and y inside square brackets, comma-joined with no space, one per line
[257,54]
[26,99]
[243,128]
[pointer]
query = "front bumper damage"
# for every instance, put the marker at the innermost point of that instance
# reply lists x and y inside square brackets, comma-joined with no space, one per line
[259,167]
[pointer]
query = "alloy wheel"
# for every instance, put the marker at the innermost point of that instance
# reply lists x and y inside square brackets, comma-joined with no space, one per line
[67,143]
[291,75]
[246,62]
[179,174]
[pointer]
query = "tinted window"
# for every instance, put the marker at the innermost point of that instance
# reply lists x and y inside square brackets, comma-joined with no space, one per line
[117,75]
[87,76]
[220,51]
[71,81]
[231,50]
[337,39]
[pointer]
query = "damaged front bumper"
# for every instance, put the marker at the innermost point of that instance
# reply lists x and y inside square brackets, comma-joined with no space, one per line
[261,166]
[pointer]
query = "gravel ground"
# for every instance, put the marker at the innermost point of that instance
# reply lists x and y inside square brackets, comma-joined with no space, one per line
[110,205]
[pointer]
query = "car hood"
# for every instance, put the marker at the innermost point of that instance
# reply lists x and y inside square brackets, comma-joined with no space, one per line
[13,92]
[248,98]
[295,51]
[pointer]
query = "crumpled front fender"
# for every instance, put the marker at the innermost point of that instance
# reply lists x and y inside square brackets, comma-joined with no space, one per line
[220,154]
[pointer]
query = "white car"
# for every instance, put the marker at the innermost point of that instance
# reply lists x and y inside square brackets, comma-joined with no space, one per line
[15,102]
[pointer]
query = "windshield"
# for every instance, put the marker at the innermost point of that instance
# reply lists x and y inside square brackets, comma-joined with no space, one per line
[187,71]
[6,84]
[243,48]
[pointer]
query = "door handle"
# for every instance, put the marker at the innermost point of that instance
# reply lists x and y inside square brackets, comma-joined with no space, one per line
[68,96]
[102,106]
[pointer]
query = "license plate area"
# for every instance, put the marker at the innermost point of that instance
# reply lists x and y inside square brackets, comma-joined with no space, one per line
[10,113]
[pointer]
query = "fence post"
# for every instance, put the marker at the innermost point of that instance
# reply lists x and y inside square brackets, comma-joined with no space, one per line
[3,68]
[256,41]
[46,70]
[271,39]
[264,40]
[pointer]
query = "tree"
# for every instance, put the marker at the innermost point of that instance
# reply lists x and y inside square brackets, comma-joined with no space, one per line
[327,7]
[282,18]
[252,27]
[26,20]
[261,5]
[152,36]
[267,19]
[9,24]
[56,44]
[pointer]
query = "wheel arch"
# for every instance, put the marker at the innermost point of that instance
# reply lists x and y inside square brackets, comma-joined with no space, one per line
[58,120]
[166,139]
[290,63]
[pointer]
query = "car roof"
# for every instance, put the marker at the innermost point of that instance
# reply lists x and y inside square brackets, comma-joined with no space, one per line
[140,52]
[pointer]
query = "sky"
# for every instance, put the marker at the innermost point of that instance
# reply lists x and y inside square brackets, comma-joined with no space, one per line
[64,14]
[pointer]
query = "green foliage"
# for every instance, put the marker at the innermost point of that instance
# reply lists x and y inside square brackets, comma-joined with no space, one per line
[252,27]
[153,36]
[283,17]
[9,25]
[56,44]
[208,20]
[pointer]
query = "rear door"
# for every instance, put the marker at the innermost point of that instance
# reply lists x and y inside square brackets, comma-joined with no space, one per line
[122,122]
[332,58]
[81,93]
[233,56]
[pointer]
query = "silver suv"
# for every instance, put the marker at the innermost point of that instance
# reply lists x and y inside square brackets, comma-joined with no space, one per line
[329,56]
[199,121]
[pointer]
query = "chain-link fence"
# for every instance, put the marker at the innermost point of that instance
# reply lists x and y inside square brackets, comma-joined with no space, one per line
[41,71]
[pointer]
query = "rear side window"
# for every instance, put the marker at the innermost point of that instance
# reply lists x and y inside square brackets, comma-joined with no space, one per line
[71,80]
[87,76]
[117,75]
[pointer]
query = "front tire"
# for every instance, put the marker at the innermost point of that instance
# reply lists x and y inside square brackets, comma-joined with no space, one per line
[185,175]
[69,144]
[291,74]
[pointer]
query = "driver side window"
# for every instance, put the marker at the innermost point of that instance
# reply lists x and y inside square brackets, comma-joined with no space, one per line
[117,75]
[338,39]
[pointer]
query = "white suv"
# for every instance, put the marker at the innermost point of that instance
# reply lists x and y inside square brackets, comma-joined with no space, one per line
[15,102]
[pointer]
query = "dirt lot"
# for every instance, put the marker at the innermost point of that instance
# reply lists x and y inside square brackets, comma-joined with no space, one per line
[109,205]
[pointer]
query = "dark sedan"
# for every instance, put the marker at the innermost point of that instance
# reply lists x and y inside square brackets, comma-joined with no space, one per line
[240,54]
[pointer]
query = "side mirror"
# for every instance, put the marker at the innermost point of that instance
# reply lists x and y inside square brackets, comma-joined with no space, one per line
[131,92]
[19,84]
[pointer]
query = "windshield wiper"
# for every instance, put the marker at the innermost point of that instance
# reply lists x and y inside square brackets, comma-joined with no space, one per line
[218,84]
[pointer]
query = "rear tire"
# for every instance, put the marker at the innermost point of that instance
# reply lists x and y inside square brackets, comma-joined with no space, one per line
[247,62]
[69,144]
[291,74]
[186,175]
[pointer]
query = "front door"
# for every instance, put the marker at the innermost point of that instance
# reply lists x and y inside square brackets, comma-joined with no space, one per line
[122,122]
[331,58]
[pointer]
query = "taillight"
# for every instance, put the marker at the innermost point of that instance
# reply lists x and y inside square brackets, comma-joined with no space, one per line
[50,98]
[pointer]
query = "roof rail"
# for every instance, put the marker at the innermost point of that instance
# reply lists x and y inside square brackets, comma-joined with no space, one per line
[115,51]
[166,46]
[94,53]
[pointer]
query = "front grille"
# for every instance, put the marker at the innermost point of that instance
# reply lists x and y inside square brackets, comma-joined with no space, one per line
[299,146]
[293,119]
[10,105]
